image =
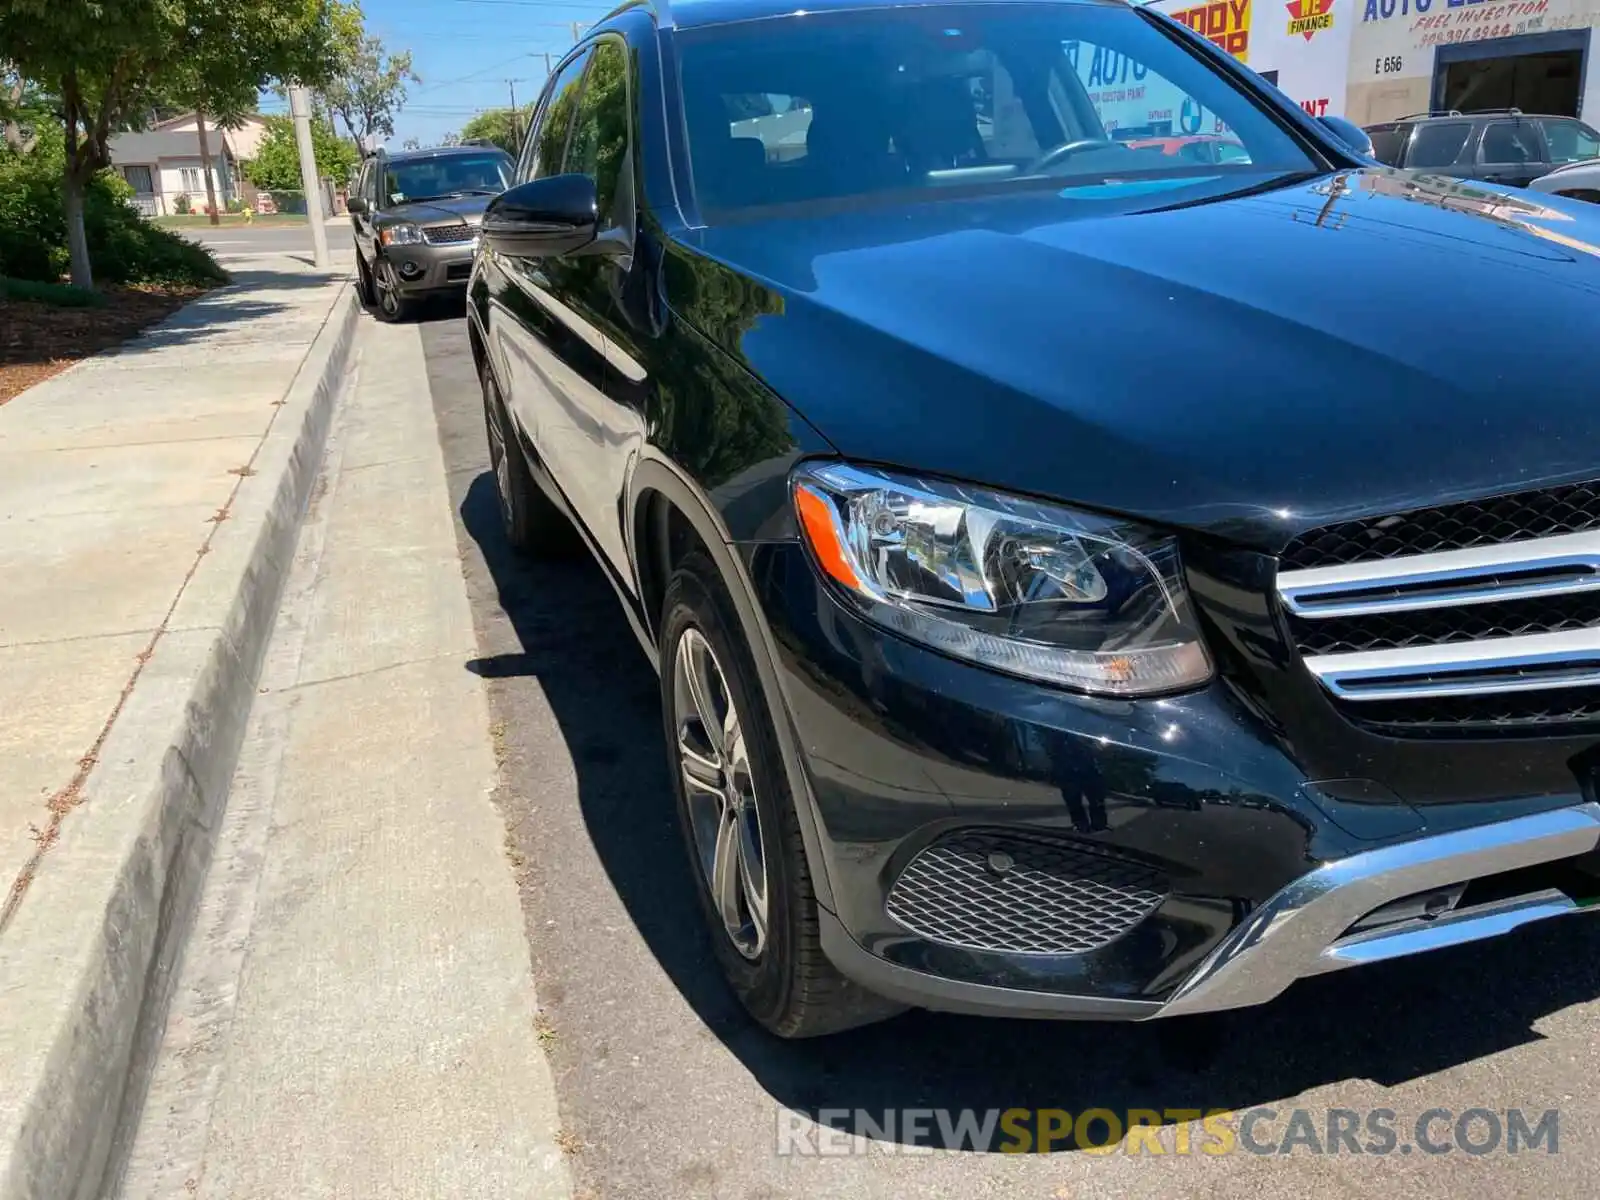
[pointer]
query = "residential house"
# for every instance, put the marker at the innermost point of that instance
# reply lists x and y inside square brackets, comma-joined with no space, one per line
[163,164]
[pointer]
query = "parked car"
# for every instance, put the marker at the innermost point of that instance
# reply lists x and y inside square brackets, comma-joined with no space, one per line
[1503,146]
[415,217]
[1082,582]
[1579,180]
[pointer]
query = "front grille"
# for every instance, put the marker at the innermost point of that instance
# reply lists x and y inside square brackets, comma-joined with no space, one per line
[1478,619]
[448,235]
[1016,893]
[1570,509]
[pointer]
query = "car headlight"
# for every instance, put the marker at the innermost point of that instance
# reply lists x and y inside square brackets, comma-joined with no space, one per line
[1030,588]
[400,235]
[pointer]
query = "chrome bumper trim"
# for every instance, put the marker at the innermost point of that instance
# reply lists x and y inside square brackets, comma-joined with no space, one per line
[1300,931]
[1530,663]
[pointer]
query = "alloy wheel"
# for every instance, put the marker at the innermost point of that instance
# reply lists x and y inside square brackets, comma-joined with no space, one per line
[719,787]
[388,290]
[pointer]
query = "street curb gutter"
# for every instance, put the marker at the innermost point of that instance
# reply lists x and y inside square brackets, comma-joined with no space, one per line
[87,963]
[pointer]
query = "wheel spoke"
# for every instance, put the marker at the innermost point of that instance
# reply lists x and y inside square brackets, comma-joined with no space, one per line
[725,883]
[699,772]
[698,676]
[753,878]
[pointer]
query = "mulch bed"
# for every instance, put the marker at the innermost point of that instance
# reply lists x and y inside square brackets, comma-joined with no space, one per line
[40,340]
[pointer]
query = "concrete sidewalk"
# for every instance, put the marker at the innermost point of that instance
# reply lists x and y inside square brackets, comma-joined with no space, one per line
[148,503]
[355,1013]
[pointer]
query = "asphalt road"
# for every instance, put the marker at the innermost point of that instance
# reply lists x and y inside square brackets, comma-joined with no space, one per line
[668,1091]
[229,240]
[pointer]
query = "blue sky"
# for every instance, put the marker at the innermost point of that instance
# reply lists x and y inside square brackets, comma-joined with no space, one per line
[467,50]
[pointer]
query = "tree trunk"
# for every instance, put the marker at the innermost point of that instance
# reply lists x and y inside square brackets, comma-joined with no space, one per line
[205,166]
[77,239]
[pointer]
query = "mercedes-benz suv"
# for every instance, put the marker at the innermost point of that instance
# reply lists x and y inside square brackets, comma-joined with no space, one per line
[1083,581]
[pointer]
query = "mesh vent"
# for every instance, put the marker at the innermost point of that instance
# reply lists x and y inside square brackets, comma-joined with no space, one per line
[1561,711]
[1012,893]
[1492,522]
[448,235]
[1438,626]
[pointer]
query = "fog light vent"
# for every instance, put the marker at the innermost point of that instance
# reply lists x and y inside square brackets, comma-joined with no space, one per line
[1012,893]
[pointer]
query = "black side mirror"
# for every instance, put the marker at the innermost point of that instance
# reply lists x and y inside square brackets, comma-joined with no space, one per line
[1351,134]
[544,217]
[355,205]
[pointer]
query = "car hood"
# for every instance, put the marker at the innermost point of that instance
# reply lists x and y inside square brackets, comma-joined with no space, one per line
[431,212]
[1252,367]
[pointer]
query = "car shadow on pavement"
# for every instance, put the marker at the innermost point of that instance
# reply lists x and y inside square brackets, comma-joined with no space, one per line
[1387,1024]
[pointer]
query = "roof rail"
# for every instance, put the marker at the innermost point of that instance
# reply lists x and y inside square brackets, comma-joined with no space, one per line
[1438,112]
[1510,112]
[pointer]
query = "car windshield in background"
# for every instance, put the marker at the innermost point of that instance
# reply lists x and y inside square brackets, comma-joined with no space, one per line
[918,100]
[447,175]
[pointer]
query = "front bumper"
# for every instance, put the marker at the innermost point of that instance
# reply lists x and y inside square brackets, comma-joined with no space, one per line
[423,267]
[1264,873]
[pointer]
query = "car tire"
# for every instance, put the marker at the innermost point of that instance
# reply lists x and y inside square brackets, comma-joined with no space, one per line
[389,304]
[765,934]
[364,289]
[533,524]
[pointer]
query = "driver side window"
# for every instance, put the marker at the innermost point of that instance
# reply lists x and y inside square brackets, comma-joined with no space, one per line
[599,143]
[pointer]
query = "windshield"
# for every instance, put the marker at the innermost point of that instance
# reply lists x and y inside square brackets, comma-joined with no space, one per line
[447,175]
[916,100]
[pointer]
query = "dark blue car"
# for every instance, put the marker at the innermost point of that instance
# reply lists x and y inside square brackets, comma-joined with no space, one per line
[1084,581]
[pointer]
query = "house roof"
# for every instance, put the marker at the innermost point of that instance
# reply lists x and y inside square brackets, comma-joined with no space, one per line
[158,144]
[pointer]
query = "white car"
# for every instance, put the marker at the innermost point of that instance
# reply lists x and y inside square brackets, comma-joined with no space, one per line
[1580,180]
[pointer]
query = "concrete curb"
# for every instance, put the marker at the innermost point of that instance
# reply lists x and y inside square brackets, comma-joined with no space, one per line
[86,966]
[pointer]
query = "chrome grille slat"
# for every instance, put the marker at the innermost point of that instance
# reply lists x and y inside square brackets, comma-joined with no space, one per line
[1481,618]
[1554,566]
[448,235]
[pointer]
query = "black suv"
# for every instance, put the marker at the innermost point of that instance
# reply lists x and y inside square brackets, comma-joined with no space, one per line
[1076,588]
[415,217]
[1501,145]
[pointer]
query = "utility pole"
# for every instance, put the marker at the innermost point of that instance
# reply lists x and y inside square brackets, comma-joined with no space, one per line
[577,31]
[516,119]
[300,110]
[547,64]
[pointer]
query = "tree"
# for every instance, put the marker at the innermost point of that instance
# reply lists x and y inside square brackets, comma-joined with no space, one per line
[25,109]
[276,166]
[496,125]
[369,87]
[110,60]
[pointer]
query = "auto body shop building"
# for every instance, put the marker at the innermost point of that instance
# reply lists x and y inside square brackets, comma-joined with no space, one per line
[1375,60]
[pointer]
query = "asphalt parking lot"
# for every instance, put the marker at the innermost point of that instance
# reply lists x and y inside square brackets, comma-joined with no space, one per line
[666,1090]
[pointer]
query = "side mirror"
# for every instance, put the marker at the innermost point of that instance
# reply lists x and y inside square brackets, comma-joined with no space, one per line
[544,217]
[1351,134]
[355,205]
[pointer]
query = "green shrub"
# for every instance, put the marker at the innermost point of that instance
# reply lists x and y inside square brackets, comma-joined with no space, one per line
[123,246]
[181,205]
[235,205]
[61,295]
[26,255]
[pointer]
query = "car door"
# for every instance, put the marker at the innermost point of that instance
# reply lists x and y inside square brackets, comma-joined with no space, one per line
[549,361]
[364,223]
[604,423]
[1511,152]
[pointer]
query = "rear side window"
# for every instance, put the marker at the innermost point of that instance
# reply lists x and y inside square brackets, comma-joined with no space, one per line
[1571,141]
[1509,142]
[1438,145]
[1387,144]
